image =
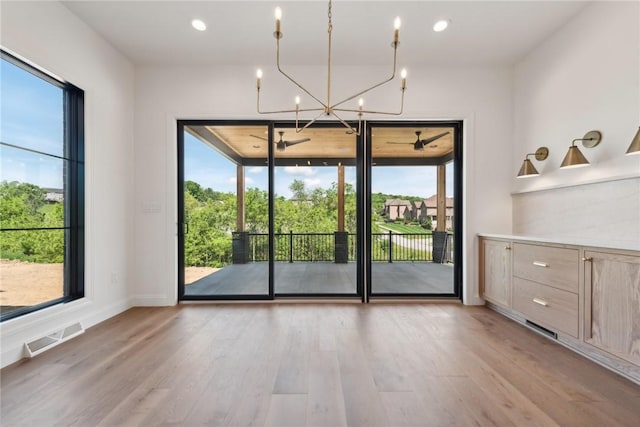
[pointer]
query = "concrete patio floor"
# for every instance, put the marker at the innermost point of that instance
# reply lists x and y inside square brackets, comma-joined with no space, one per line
[325,278]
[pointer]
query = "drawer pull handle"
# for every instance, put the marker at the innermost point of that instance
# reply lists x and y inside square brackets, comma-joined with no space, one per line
[540,264]
[540,301]
[508,247]
[587,259]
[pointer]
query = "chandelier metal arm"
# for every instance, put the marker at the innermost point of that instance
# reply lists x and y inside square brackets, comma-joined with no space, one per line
[393,75]
[300,129]
[291,78]
[357,132]
[374,111]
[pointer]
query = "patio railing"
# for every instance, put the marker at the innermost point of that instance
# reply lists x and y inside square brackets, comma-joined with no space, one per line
[385,247]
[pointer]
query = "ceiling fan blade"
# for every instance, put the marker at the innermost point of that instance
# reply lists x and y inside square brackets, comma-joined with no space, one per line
[433,138]
[297,141]
[393,142]
[260,137]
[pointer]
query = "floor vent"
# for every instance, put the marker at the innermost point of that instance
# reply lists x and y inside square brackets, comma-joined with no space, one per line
[542,330]
[51,340]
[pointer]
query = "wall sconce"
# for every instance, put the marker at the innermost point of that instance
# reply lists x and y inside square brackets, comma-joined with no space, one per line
[634,148]
[574,157]
[528,170]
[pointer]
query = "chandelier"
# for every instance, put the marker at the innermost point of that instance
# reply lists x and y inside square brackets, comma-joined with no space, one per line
[326,107]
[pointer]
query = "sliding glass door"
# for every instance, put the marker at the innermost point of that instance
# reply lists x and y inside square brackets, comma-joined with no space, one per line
[315,212]
[224,186]
[266,211]
[412,205]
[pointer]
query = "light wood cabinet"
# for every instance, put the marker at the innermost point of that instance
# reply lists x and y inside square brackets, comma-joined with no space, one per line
[547,306]
[549,265]
[588,298]
[496,272]
[612,303]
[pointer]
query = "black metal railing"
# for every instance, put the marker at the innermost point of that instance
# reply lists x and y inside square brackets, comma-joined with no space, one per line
[385,247]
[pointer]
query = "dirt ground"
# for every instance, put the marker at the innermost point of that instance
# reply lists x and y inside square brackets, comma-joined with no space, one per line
[191,274]
[27,283]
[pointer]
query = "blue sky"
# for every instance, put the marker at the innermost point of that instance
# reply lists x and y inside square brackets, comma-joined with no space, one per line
[31,115]
[210,169]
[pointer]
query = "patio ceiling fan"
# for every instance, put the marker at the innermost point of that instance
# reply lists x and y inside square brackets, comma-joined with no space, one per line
[282,144]
[420,143]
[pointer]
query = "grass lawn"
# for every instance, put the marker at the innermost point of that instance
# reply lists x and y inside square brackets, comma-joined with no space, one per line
[401,228]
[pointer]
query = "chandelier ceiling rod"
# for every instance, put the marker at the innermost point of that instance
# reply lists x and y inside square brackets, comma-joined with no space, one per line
[327,108]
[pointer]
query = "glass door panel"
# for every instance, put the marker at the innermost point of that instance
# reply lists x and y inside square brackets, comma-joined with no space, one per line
[411,240]
[315,214]
[226,211]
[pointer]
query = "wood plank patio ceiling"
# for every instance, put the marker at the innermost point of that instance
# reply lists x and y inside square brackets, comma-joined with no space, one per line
[248,145]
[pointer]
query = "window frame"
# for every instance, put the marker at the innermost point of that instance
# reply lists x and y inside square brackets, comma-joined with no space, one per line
[74,188]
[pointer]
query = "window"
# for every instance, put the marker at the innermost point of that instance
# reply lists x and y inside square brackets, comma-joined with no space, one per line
[41,189]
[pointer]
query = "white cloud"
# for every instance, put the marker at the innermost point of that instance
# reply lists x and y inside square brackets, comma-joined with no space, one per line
[256,169]
[247,180]
[312,182]
[300,170]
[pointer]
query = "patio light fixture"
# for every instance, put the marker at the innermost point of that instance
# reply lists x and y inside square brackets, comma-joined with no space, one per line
[327,108]
[574,157]
[528,170]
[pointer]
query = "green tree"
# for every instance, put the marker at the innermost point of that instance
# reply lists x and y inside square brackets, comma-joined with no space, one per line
[298,189]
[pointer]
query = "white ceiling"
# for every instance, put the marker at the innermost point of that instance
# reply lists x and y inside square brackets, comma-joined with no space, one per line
[240,32]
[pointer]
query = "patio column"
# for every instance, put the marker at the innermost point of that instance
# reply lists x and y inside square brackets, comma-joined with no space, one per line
[341,238]
[240,239]
[441,197]
[340,197]
[240,198]
[440,233]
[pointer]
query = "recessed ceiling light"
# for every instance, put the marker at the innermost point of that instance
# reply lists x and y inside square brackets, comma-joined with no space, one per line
[441,25]
[198,25]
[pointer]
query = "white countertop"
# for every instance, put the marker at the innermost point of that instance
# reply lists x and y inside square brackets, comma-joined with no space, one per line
[576,241]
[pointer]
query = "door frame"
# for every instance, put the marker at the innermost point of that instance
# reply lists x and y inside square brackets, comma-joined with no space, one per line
[363,208]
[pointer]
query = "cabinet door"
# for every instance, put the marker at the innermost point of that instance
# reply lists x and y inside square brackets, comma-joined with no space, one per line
[612,302]
[497,272]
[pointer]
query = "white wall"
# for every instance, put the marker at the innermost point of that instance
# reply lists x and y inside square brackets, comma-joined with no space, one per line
[50,36]
[584,77]
[481,97]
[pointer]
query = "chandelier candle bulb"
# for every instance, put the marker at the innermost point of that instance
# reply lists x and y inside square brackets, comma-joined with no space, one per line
[278,14]
[396,26]
[259,77]
[403,75]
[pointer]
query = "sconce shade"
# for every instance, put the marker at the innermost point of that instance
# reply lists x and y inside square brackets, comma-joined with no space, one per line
[634,148]
[527,169]
[574,158]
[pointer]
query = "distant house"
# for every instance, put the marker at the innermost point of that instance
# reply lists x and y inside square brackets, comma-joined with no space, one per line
[398,209]
[54,195]
[428,208]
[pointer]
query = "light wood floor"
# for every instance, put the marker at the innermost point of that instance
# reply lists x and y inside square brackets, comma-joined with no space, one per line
[319,365]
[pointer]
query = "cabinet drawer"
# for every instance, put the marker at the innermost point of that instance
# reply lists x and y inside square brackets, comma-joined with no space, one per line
[557,267]
[550,307]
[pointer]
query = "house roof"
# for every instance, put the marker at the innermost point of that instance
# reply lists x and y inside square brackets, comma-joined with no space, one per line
[397,202]
[432,202]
